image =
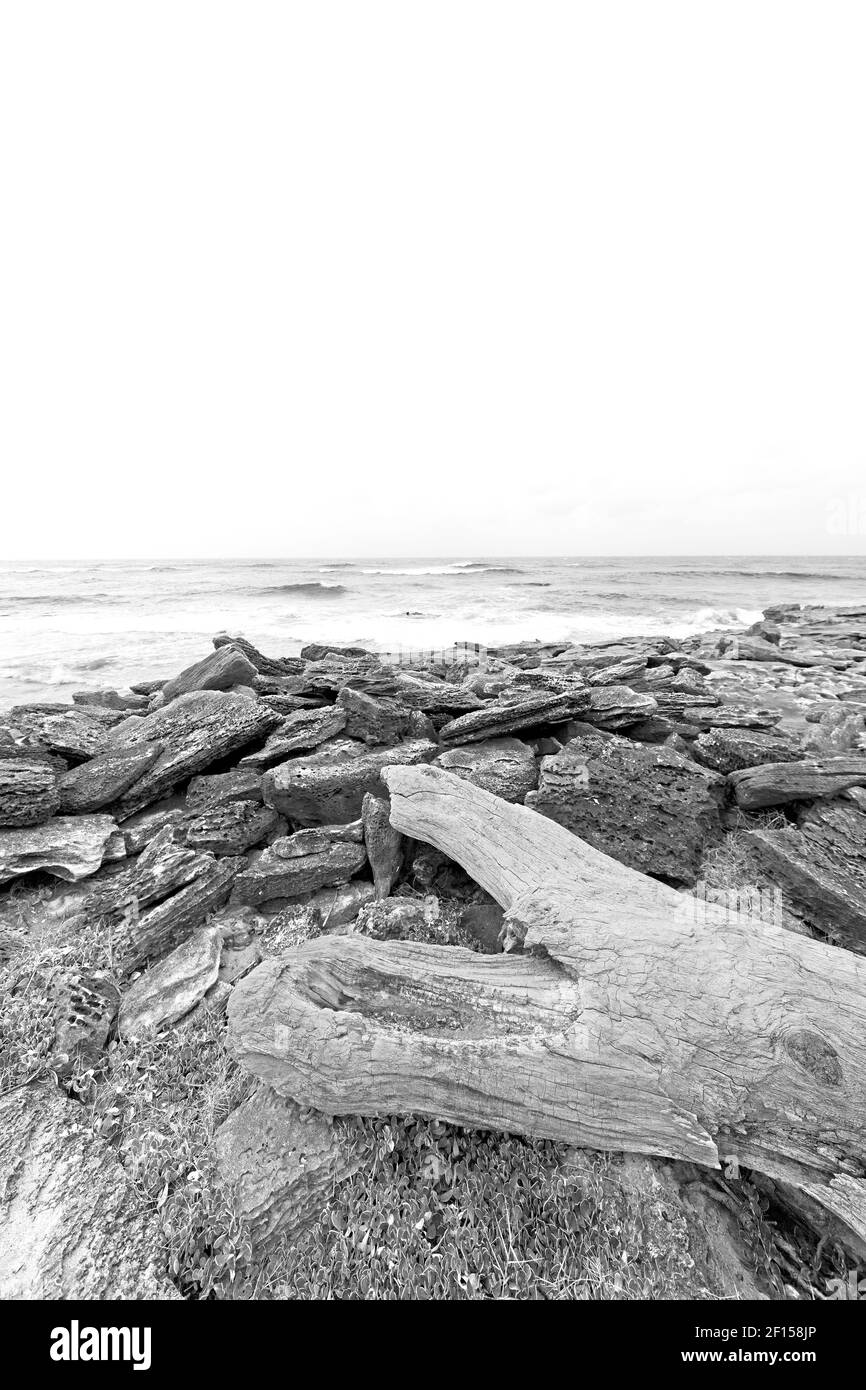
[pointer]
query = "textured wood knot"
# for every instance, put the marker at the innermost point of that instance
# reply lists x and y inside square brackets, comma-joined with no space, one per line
[815,1055]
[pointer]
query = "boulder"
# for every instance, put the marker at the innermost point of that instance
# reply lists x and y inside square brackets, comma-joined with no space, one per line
[732,749]
[301,731]
[776,784]
[232,828]
[69,847]
[299,864]
[167,991]
[340,904]
[504,766]
[384,844]
[644,805]
[105,778]
[277,666]
[821,869]
[74,1226]
[194,730]
[280,1164]
[220,788]
[330,785]
[373,720]
[28,791]
[220,670]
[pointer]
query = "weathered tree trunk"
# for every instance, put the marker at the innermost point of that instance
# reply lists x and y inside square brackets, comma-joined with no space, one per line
[639,1019]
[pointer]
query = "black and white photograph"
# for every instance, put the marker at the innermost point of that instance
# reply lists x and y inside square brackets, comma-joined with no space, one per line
[433,667]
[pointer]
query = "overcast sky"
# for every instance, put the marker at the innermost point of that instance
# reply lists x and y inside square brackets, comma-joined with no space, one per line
[449,278]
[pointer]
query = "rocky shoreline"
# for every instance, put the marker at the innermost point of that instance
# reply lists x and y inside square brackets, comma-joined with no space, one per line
[243,801]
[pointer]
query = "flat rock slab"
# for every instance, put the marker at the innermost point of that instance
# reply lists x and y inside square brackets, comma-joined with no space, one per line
[731,717]
[28,791]
[646,806]
[73,1225]
[508,717]
[194,730]
[296,865]
[169,990]
[330,786]
[105,778]
[69,847]
[776,784]
[303,730]
[280,1164]
[821,868]
[732,750]
[70,732]
[220,670]
[504,766]
[617,706]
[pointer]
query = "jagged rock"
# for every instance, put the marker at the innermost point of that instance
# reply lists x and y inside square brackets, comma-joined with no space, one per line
[301,731]
[775,784]
[142,828]
[164,866]
[146,687]
[220,788]
[372,720]
[745,648]
[384,844]
[167,925]
[111,699]
[616,706]
[28,791]
[280,1164]
[838,729]
[506,717]
[69,847]
[167,991]
[219,670]
[105,778]
[330,785]
[732,749]
[232,828]
[284,702]
[85,1006]
[195,730]
[646,806]
[266,665]
[299,864]
[74,1226]
[730,717]
[504,766]
[821,869]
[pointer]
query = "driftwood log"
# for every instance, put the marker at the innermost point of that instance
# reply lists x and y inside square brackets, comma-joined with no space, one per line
[637,1018]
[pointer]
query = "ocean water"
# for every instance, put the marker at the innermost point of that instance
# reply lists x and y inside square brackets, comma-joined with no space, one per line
[69,626]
